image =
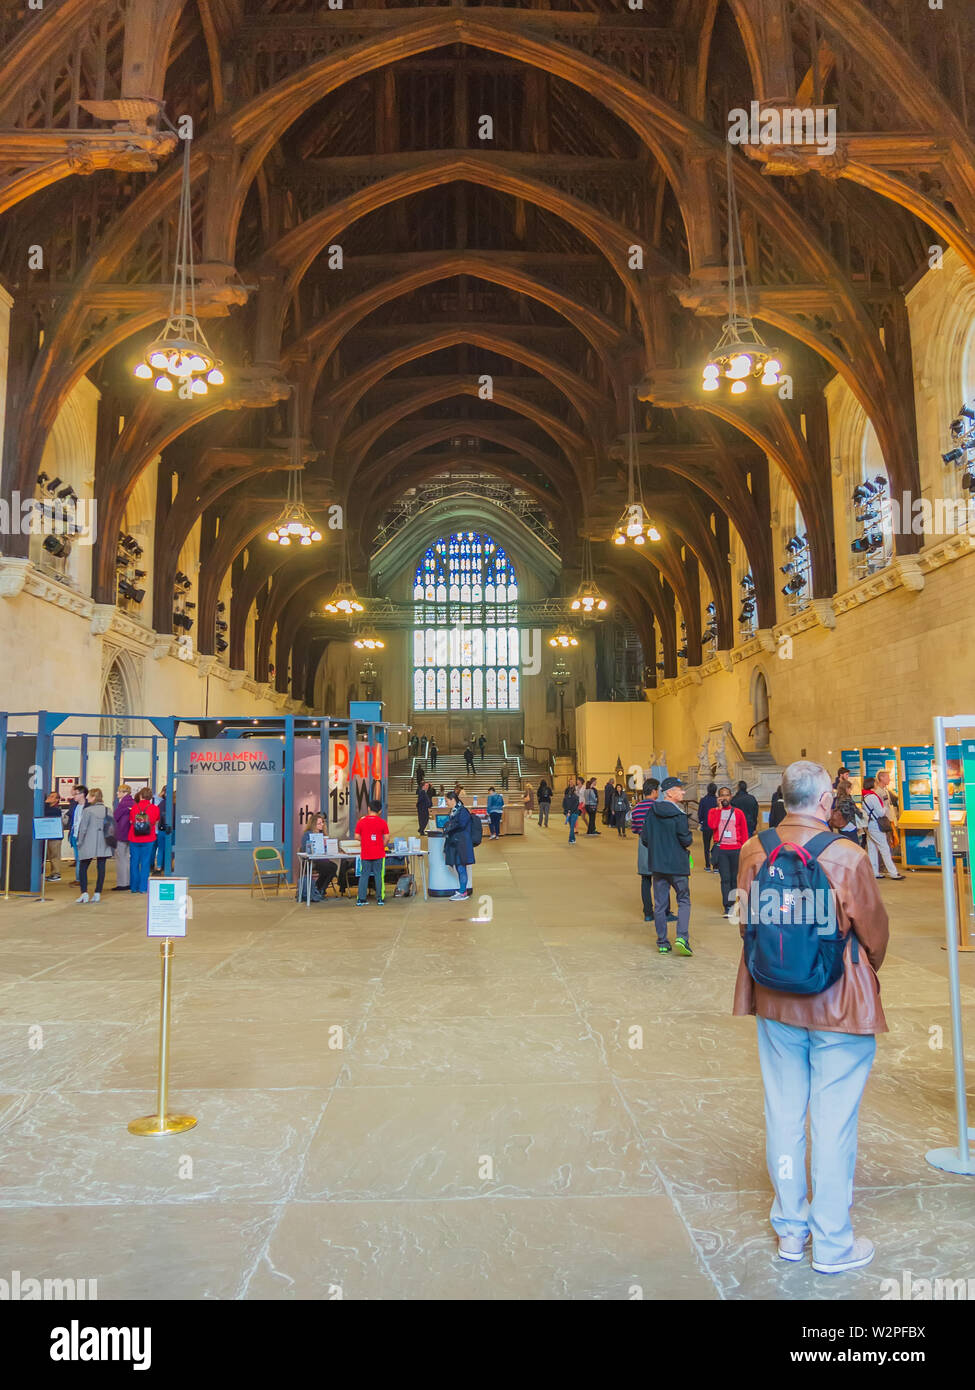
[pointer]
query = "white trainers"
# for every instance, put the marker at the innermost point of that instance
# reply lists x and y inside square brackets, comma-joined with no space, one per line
[459,898]
[82,899]
[862,1253]
[792,1247]
[97,898]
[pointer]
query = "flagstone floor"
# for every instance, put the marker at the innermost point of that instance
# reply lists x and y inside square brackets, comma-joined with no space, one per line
[411,1103]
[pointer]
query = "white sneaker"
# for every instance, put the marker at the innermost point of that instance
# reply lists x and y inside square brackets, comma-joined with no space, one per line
[459,898]
[97,898]
[791,1247]
[862,1253]
[82,899]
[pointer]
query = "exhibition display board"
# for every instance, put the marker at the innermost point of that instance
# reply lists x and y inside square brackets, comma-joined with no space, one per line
[231,799]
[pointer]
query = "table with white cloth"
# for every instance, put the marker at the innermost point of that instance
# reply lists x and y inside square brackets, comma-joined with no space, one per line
[416,859]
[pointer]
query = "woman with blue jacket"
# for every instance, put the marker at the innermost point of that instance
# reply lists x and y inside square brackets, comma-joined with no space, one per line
[459,846]
[495,807]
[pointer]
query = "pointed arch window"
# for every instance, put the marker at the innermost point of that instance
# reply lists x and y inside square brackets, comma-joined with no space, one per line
[465,595]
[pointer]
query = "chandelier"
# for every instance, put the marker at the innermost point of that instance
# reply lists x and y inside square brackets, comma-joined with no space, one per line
[295,522]
[181,359]
[344,599]
[635,524]
[588,599]
[369,643]
[563,637]
[740,354]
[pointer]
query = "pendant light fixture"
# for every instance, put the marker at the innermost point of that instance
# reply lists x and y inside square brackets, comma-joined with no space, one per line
[740,353]
[344,600]
[367,641]
[588,600]
[295,524]
[563,637]
[635,524]
[181,359]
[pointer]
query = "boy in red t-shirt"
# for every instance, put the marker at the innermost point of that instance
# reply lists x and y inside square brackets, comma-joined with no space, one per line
[373,833]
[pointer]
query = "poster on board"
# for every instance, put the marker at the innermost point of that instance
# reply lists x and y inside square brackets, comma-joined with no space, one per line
[222,782]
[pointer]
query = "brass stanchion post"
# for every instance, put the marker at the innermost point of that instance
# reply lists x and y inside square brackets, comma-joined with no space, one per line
[162,1122]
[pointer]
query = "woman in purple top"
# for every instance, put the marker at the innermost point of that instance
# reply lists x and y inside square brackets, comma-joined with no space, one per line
[123,816]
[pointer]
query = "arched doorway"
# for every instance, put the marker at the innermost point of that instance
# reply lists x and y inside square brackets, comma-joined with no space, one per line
[760,713]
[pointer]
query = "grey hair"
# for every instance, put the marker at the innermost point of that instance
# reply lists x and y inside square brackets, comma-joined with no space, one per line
[803,783]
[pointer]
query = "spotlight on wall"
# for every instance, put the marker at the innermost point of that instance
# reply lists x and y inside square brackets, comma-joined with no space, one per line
[58,546]
[796,544]
[795,585]
[952,456]
[221,645]
[129,591]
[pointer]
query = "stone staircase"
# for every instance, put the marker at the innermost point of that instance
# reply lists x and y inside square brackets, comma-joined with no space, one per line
[451,768]
[734,764]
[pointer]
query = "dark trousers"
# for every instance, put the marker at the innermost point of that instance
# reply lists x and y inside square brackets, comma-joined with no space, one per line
[646,893]
[591,817]
[495,818]
[662,884]
[543,807]
[422,820]
[727,861]
[707,835]
[470,764]
[99,874]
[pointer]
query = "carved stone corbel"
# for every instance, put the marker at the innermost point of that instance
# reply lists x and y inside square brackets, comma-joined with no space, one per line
[726,659]
[909,572]
[824,610]
[102,618]
[13,575]
[766,638]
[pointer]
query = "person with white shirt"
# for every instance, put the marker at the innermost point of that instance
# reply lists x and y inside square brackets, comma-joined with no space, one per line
[874,808]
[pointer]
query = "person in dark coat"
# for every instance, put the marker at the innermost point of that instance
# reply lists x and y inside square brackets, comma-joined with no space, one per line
[621,809]
[434,753]
[469,759]
[777,811]
[458,849]
[706,804]
[666,837]
[424,805]
[482,744]
[747,805]
[609,791]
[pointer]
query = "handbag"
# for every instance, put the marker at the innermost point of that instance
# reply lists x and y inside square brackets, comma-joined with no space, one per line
[111,837]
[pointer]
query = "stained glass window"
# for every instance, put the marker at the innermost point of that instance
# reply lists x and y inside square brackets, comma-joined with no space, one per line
[465,606]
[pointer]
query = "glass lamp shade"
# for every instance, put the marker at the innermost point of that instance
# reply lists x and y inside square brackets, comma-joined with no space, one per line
[181,355]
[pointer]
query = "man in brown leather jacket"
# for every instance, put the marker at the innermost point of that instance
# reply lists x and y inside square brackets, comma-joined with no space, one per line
[816,1050]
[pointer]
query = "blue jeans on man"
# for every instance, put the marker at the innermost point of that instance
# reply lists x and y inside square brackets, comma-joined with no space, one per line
[371,871]
[824,1074]
[574,816]
[495,818]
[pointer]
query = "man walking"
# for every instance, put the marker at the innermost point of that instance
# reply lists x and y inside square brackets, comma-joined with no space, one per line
[469,759]
[747,804]
[666,840]
[433,751]
[495,810]
[705,806]
[730,832]
[816,1049]
[651,790]
[482,744]
[504,776]
[80,798]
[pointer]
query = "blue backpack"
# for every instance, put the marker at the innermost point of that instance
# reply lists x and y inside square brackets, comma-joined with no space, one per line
[792,938]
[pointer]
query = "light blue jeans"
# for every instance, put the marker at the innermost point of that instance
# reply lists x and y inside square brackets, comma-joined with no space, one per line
[824,1074]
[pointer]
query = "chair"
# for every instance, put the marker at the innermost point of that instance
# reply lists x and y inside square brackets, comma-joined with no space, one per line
[268,863]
